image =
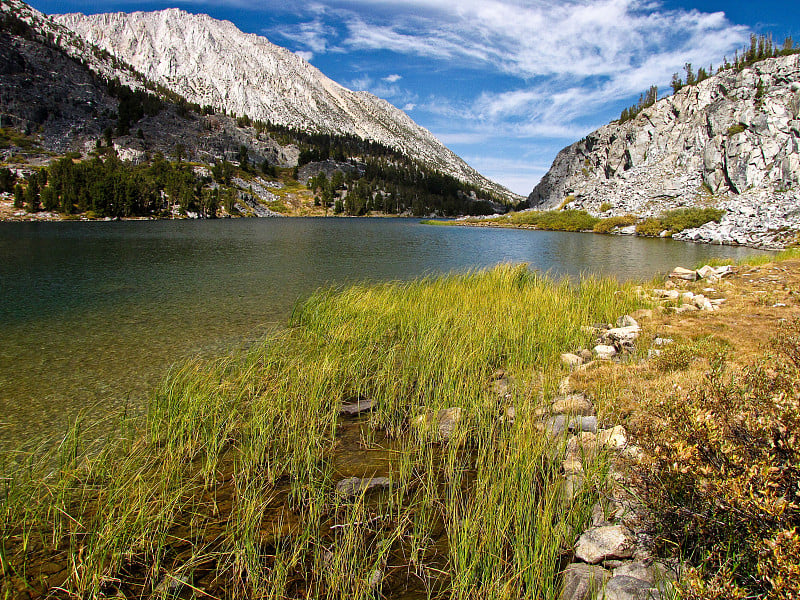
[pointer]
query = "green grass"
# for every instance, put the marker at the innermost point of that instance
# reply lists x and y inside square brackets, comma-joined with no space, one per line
[11,137]
[611,223]
[675,221]
[230,477]
[437,222]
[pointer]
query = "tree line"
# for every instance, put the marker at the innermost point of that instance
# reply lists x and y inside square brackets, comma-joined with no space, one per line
[113,188]
[395,188]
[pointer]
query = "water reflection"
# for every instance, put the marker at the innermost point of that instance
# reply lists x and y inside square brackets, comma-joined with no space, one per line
[94,313]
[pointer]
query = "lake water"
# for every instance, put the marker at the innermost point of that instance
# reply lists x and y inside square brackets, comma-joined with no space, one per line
[93,314]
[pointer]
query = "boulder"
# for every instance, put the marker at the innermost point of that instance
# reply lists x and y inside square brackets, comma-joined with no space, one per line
[582,581]
[706,272]
[622,336]
[601,543]
[571,360]
[627,321]
[615,438]
[629,588]
[637,570]
[558,424]
[685,274]
[605,352]
[579,448]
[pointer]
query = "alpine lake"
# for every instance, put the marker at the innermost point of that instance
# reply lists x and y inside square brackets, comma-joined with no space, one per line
[94,314]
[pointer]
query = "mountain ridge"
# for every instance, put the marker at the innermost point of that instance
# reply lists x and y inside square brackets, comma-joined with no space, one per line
[212,62]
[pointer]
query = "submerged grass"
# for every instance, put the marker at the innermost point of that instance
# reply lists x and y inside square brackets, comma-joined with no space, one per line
[228,487]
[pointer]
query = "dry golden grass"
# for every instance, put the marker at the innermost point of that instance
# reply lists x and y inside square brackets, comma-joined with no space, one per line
[716,414]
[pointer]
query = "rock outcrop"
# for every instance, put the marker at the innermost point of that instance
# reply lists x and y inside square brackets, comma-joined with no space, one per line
[731,141]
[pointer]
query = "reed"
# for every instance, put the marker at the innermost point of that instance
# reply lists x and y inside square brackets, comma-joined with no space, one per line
[228,485]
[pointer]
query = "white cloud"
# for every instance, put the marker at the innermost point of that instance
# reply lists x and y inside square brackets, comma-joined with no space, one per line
[542,69]
[409,107]
[305,55]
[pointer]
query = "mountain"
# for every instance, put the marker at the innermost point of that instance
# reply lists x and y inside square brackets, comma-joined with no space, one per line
[213,63]
[732,141]
[84,133]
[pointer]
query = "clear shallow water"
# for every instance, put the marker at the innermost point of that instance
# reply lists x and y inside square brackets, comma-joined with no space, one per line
[93,314]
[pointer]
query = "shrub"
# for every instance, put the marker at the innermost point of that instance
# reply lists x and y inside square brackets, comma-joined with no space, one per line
[556,220]
[721,480]
[607,225]
[651,227]
[736,129]
[605,206]
[687,218]
[674,221]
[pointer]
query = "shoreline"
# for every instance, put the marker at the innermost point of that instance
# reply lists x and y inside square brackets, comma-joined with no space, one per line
[460,223]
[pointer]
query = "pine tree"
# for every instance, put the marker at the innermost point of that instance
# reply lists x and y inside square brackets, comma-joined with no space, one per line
[19,196]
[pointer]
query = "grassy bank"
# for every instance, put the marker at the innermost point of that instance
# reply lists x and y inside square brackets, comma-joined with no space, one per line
[669,223]
[228,489]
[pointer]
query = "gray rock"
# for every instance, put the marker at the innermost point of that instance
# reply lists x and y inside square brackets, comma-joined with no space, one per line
[630,588]
[685,274]
[603,543]
[582,581]
[627,321]
[355,486]
[605,352]
[622,336]
[637,570]
[706,272]
[560,423]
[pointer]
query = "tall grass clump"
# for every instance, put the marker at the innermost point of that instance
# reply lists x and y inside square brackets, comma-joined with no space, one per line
[228,487]
[675,221]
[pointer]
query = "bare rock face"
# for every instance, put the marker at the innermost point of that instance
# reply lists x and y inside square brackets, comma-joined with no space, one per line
[735,136]
[211,62]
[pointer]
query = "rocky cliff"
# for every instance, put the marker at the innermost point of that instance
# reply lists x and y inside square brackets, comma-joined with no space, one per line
[731,141]
[211,62]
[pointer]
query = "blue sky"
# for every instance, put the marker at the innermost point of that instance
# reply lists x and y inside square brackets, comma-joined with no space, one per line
[504,83]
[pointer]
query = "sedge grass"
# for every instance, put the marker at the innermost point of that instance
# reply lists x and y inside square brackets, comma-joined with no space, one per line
[228,486]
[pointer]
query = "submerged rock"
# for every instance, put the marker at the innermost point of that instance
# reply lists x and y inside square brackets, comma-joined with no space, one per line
[445,421]
[353,409]
[355,486]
